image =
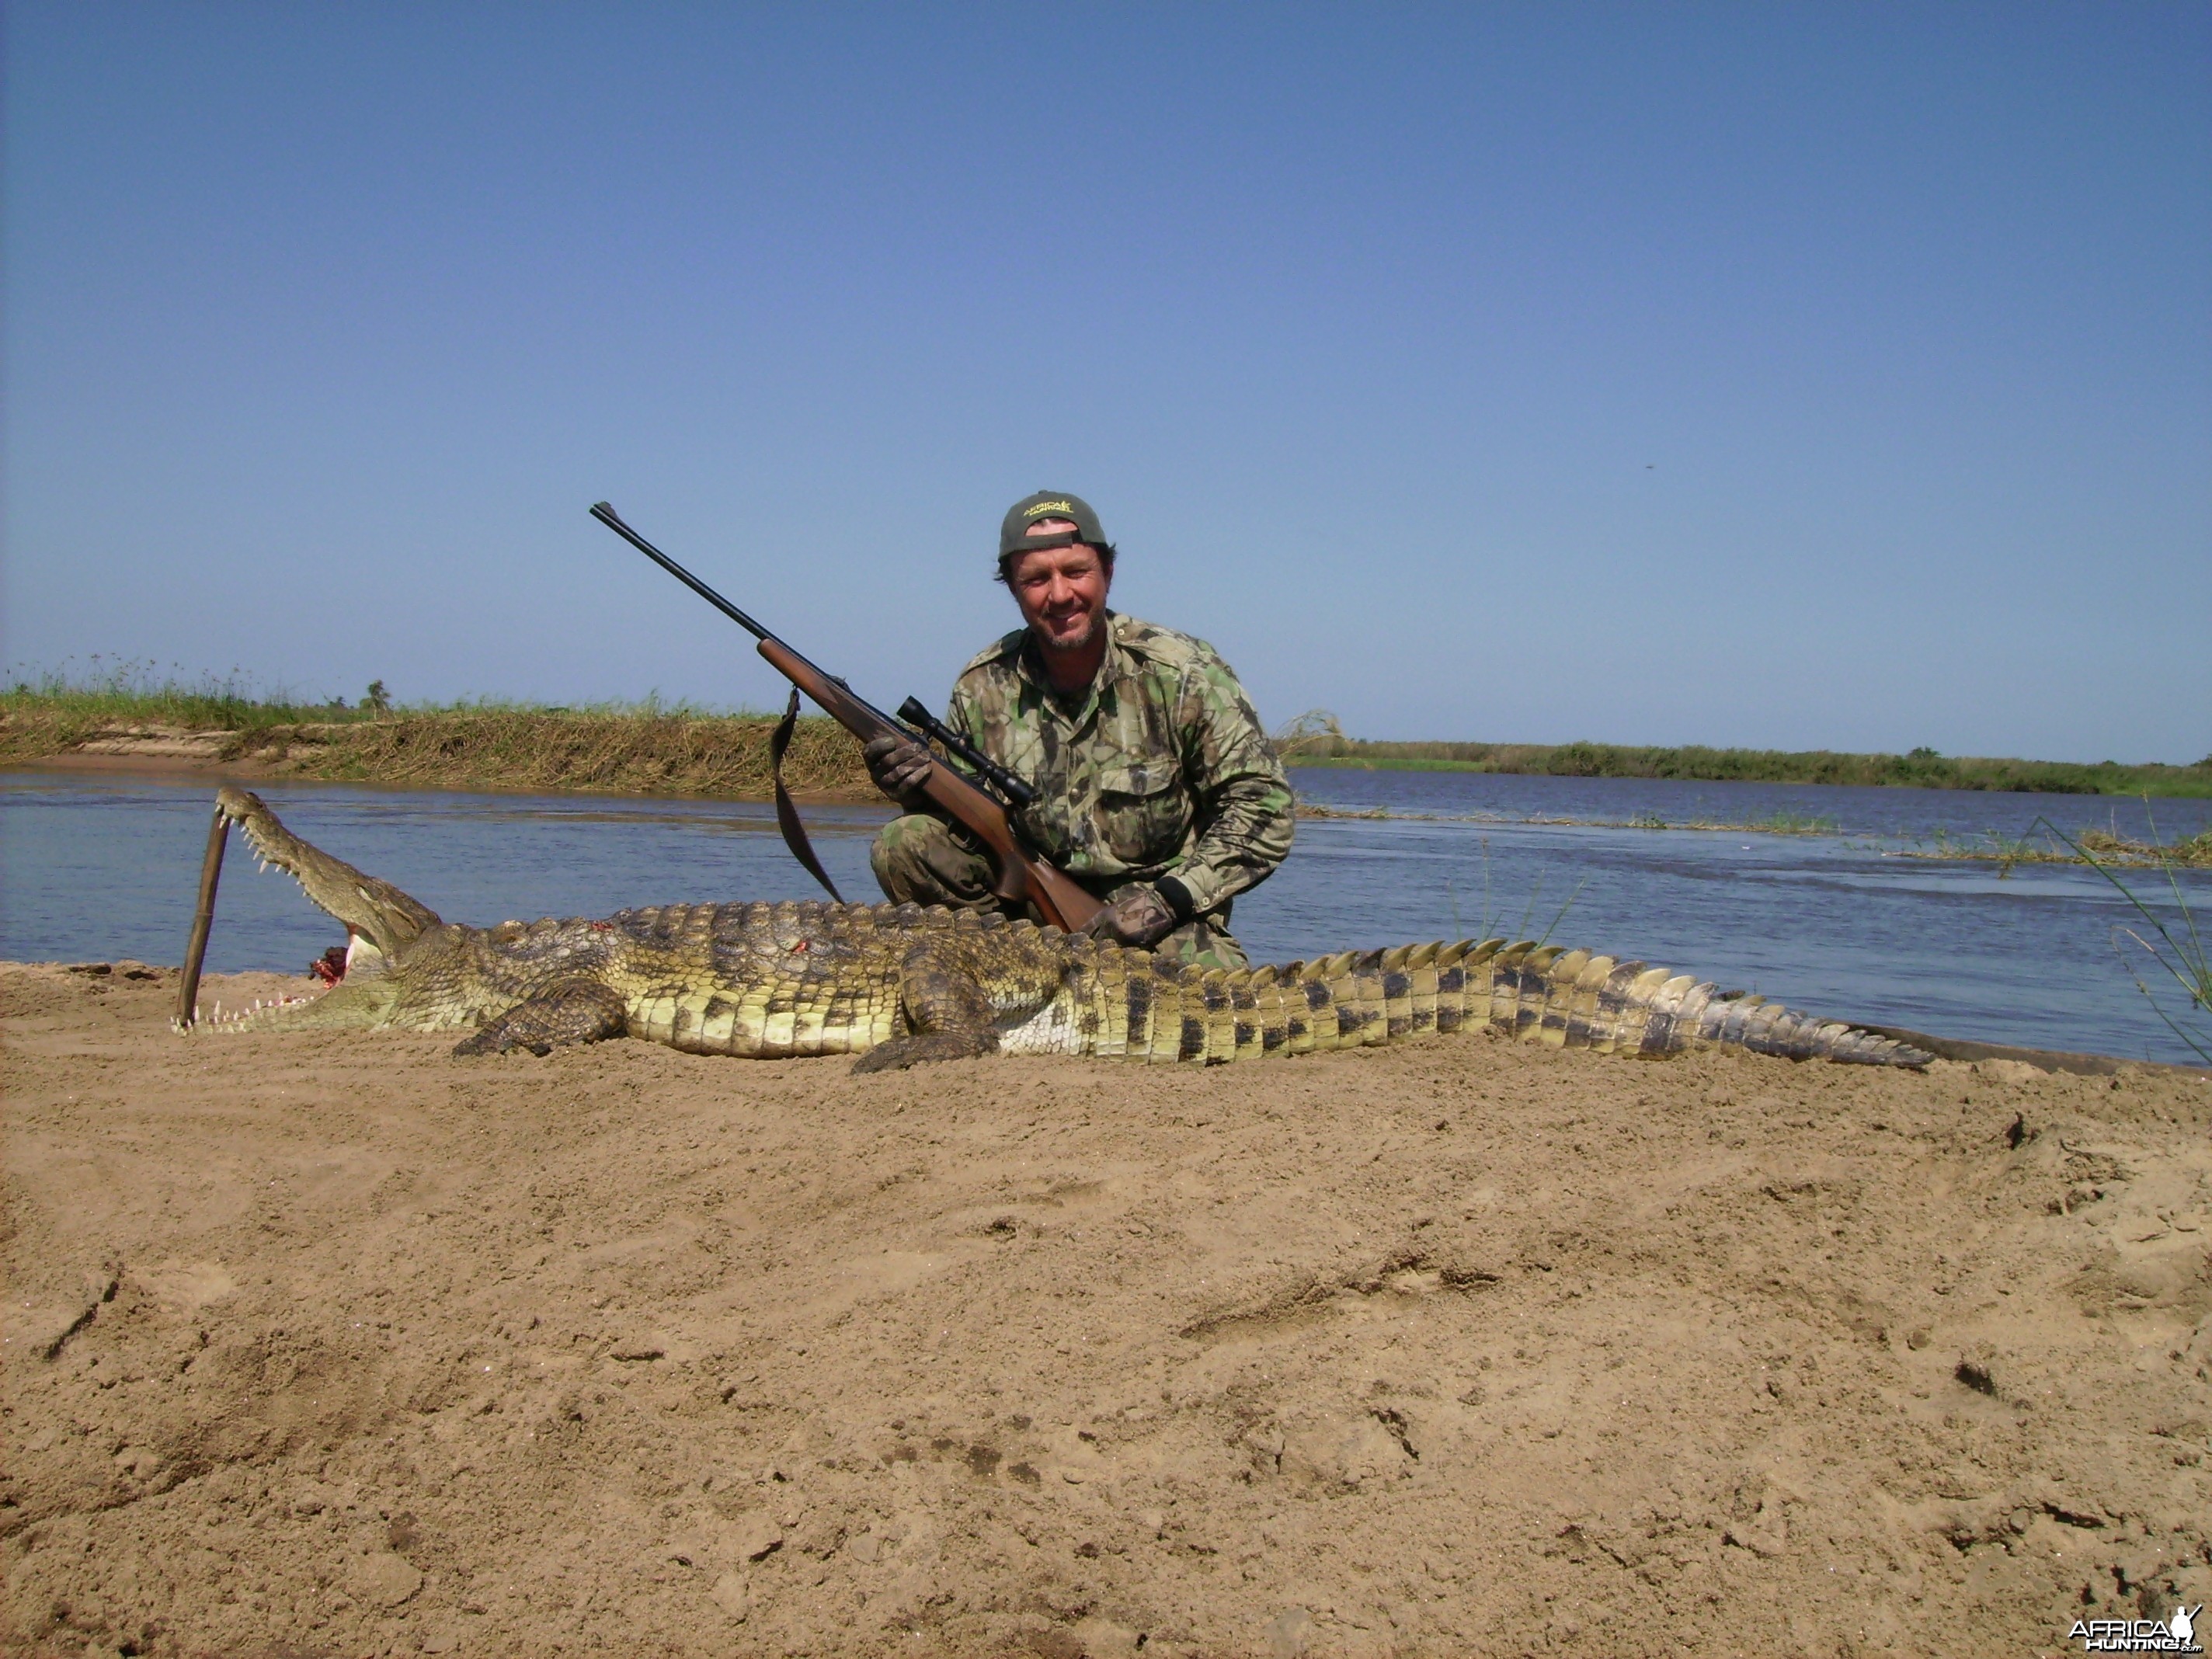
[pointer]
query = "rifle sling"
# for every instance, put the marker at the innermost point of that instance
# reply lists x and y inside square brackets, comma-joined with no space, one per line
[786,815]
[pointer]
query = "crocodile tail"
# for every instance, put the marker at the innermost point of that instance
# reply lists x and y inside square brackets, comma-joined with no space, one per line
[1145,1009]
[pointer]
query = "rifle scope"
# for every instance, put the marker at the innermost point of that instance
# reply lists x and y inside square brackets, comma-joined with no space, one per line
[1015,791]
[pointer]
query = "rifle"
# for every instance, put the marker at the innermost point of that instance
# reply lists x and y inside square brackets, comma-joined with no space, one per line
[1022,878]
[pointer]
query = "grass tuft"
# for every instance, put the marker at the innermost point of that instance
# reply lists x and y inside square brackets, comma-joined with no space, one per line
[2181,957]
[107,691]
[2040,843]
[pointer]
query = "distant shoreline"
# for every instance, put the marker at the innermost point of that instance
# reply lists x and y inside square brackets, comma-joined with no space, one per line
[151,758]
[1702,765]
[641,753]
[654,751]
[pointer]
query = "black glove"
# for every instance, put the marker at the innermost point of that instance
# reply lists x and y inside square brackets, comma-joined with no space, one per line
[1140,919]
[899,766]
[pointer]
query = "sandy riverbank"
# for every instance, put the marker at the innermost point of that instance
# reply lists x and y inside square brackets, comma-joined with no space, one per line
[642,752]
[336,1345]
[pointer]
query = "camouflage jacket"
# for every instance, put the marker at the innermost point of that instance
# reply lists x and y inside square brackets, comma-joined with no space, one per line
[1162,769]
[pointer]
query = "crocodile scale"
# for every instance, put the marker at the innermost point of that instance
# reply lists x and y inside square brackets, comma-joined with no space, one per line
[897,984]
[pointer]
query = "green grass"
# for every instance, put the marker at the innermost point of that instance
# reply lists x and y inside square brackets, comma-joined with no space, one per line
[109,691]
[1793,823]
[2178,953]
[646,748]
[1492,926]
[2041,843]
[1774,824]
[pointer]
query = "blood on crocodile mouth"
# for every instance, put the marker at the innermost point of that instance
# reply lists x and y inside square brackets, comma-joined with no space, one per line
[331,966]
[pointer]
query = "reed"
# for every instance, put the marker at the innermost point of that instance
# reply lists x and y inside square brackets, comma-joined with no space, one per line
[108,690]
[2048,846]
[1493,924]
[2178,953]
[1791,823]
[644,749]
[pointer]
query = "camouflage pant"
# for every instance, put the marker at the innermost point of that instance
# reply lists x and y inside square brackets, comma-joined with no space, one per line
[922,860]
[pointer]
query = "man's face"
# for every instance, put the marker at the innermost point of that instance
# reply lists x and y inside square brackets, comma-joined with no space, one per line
[1060,589]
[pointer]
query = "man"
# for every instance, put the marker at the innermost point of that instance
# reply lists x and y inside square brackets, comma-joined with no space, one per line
[1156,788]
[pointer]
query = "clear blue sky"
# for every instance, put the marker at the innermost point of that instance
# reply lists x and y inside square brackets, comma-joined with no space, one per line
[1804,376]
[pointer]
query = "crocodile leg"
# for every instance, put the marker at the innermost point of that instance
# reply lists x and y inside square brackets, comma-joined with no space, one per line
[948,1015]
[572,1012]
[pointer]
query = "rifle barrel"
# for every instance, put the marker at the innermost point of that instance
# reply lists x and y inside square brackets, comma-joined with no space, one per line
[607,516]
[825,688]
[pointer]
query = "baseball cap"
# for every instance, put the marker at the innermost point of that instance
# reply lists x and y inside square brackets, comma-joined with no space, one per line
[1013,534]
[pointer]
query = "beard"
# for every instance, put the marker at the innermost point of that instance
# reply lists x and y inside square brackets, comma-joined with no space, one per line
[1060,641]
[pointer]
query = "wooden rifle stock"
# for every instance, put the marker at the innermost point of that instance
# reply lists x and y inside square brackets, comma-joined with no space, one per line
[1022,878]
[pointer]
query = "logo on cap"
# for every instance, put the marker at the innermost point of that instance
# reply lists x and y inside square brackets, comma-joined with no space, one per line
[1042,507]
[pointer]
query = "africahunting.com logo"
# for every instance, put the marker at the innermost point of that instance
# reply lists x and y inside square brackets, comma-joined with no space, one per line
[2174,1635]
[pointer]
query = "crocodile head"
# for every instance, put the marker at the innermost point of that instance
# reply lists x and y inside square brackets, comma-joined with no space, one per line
[432,983]
[379,920]
[382,924]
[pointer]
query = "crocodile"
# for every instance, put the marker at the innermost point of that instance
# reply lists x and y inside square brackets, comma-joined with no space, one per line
[896,984]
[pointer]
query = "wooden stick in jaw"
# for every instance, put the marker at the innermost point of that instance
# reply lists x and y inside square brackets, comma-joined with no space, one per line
[188,988]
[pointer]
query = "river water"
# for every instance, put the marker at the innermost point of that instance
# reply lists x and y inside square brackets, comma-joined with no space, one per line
[104,866]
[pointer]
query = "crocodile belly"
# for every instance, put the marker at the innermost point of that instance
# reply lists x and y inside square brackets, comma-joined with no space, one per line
[1052,1030]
